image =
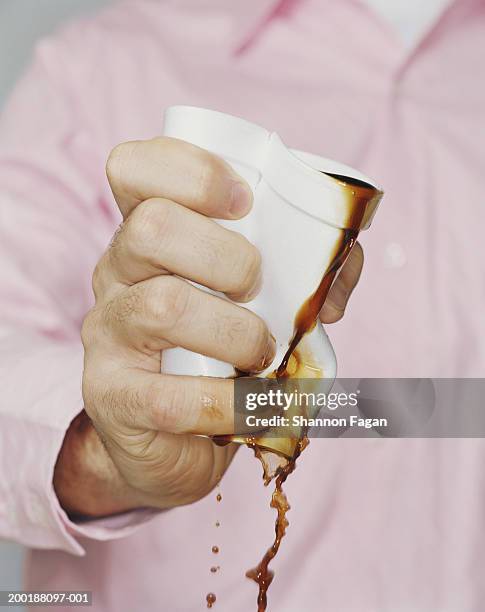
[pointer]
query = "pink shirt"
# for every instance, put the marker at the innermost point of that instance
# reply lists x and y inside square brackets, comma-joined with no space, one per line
[386,526]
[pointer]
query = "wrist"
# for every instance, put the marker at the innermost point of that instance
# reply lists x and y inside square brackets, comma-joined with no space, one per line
[86,481]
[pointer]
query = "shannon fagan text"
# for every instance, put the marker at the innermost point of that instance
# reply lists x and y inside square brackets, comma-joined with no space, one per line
[302,421]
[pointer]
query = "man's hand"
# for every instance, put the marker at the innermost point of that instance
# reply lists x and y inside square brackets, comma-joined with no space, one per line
[167,190]
[152,453]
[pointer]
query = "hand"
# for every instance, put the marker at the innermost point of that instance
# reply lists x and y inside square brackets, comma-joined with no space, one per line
[149,422]
[167,190]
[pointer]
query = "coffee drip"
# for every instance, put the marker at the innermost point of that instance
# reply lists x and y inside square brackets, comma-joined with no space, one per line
[306,317]
[278,455]
[294,198]
[298,362]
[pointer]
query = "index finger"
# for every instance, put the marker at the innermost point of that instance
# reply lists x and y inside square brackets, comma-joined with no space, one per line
[172,404]
[179,171]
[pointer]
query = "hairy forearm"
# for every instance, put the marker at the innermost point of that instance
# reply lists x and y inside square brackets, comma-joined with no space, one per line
[86,481]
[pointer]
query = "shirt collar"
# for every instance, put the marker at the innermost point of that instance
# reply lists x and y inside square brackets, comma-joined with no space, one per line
[248,17]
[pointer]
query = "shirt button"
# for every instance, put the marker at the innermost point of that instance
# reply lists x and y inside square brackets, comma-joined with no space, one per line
[394,255]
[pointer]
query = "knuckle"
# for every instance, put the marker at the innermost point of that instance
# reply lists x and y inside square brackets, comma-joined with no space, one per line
[112,255]
[169,301]
[165,300]
[124,306]
[116,236]
[89,328]
[98,277]
[147,225]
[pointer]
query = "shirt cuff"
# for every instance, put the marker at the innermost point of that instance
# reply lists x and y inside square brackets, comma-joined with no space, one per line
[30,442]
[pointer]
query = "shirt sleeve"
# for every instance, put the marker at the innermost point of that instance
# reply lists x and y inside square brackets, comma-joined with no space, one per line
[55,220]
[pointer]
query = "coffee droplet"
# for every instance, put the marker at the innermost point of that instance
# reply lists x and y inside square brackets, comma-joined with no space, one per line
[211,599]
[219,497]
[215,549]
[218,524]
[215,568]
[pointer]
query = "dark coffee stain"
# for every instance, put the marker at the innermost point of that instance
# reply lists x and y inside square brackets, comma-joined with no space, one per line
[361,200]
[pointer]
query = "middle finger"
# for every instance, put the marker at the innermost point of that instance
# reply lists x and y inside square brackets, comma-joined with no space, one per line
[162,236]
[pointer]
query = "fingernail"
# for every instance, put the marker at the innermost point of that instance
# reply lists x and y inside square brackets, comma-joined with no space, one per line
[270,352]
[241,199]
